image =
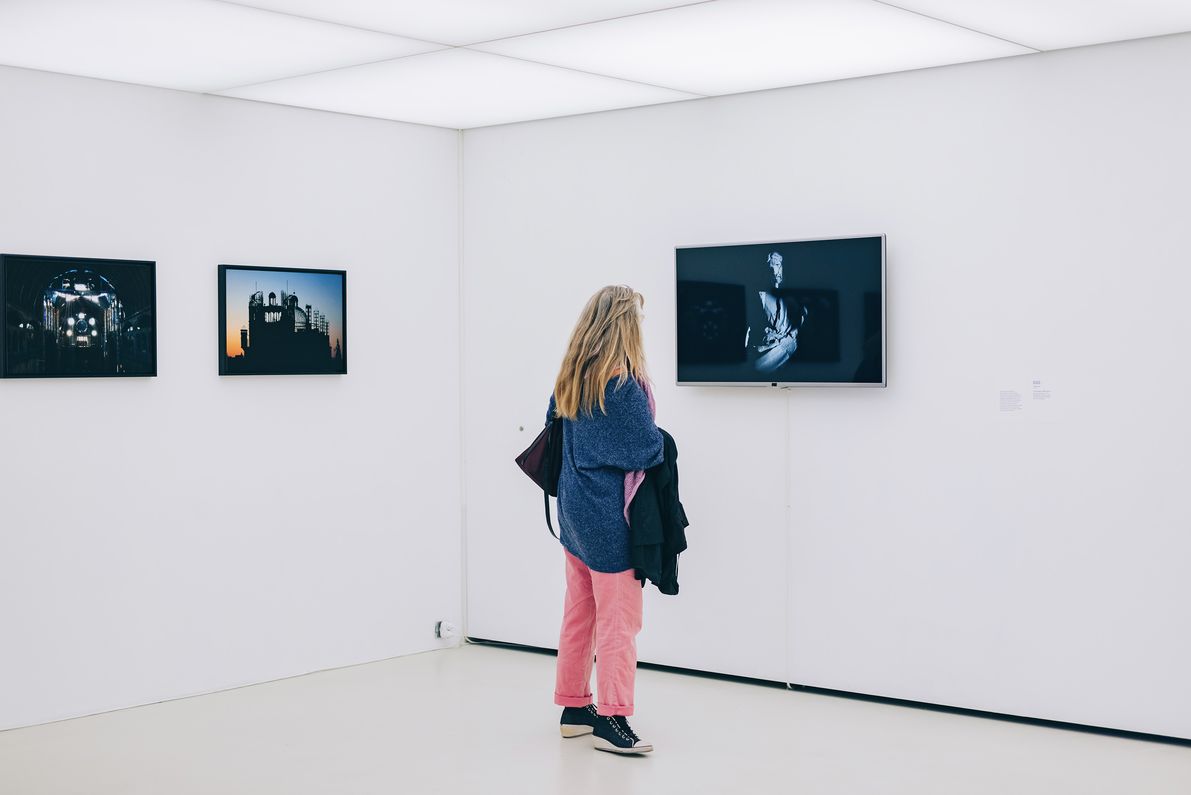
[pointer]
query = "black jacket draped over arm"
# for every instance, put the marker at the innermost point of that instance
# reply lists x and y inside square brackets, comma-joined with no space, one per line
[657,523]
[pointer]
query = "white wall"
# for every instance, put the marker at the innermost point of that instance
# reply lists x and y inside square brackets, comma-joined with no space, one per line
[911,542]
[253,528]
[934,549]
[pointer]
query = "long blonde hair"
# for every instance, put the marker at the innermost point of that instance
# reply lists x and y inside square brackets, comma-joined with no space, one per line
[606,342]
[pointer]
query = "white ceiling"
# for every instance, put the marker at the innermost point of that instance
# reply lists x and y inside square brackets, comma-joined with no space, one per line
[472,63]
[731,46]
[458,88]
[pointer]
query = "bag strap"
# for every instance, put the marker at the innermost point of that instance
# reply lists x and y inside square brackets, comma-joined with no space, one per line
[546,503]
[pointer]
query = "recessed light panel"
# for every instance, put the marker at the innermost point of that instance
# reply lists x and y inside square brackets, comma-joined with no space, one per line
[744,45]
[1054,24]
[457,89]
[463,21]
[195,45]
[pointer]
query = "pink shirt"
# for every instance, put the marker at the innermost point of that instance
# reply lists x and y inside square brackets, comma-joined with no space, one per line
[632,480]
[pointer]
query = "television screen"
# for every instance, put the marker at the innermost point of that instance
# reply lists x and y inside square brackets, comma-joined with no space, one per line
[799,313]
[282,321]
[70,317]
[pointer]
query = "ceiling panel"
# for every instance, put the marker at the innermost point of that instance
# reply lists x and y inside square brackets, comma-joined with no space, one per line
[458,89]
[1054,24]
[744,45]
[463,21]
[195,45]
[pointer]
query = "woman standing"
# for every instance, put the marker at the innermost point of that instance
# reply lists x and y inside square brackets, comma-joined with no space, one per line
[603,400]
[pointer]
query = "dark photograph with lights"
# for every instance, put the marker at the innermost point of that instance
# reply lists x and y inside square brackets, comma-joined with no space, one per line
[282,321]
[70,317]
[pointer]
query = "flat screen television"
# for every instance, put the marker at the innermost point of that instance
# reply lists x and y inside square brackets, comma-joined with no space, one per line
[793,313]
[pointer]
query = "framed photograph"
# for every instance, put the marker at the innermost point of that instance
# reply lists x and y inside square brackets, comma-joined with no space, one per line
[282,321]
[70,317]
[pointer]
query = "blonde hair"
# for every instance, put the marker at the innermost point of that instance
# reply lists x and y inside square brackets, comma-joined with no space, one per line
[606,342]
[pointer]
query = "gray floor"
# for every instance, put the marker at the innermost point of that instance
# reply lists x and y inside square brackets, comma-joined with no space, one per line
[480,719]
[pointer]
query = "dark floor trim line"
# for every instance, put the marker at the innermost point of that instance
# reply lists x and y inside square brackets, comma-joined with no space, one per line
[897,702]
[747,680]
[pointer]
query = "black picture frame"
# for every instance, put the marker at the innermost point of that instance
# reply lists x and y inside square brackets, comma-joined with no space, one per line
[296,363]
[22,276]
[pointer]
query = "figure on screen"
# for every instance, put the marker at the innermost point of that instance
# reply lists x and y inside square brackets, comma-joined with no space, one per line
[781,334]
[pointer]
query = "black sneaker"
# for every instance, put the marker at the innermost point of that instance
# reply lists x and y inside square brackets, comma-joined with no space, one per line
[613,734]
[578,721]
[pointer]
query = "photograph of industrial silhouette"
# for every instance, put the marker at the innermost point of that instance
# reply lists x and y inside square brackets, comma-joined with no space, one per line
[282,321]
[71,317]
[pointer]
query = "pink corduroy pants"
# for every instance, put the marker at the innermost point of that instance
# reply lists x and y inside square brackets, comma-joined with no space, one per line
[601,616]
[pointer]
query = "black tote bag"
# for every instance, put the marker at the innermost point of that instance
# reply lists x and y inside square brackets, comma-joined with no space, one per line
[542,462]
